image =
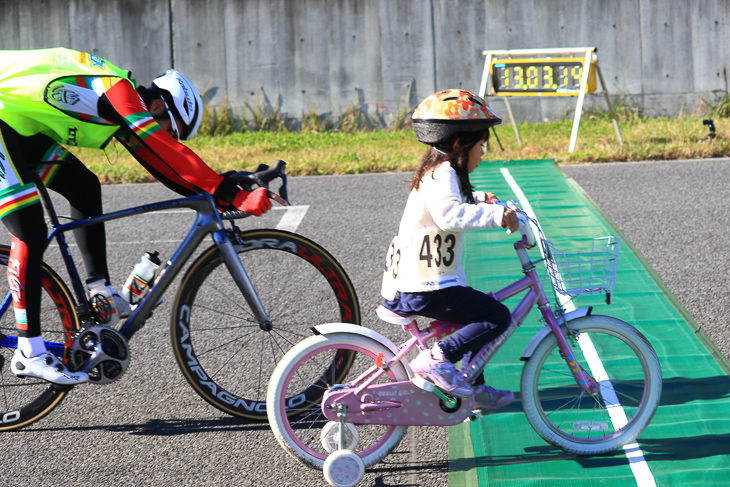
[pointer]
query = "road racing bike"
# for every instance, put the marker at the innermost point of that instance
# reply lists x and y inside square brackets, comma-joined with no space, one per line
[240,305]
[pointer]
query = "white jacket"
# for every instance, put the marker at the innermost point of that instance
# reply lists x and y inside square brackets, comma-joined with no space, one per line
[437,206]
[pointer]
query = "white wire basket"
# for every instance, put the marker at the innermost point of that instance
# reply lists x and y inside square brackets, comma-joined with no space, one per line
[574,274]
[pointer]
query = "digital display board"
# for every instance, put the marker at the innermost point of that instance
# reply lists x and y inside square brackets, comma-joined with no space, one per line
[540,77]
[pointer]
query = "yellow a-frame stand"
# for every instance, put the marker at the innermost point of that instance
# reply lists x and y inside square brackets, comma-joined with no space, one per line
[545,72]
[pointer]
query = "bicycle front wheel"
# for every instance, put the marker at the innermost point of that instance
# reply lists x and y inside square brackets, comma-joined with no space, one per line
[23,401]
[296,418]
[222,351]
[627,370]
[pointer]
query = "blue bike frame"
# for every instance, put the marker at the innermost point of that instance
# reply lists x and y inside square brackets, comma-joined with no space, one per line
[208,221]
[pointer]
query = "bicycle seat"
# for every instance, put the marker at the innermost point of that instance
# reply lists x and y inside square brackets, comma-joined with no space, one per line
[393,318]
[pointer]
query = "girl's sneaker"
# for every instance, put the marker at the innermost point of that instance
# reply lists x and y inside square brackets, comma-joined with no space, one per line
[441,373]
[45,366]
[486,397]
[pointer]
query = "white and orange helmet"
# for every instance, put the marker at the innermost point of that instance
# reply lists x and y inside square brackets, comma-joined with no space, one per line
[443,114]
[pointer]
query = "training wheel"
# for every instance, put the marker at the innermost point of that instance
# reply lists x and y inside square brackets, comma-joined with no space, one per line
[330,436]
[343,468]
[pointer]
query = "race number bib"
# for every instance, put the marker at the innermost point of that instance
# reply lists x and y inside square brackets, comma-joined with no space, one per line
[424,264]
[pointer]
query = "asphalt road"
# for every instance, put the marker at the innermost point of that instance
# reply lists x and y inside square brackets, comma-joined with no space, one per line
[675,213]
[151,429]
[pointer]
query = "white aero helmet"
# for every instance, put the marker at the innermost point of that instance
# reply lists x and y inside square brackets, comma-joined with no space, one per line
[182,100]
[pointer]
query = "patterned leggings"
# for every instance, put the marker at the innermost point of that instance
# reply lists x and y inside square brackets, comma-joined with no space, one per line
[22,214]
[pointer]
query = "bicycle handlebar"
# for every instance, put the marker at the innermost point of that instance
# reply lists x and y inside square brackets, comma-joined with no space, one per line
[528,235]
[260,178]
[526,229]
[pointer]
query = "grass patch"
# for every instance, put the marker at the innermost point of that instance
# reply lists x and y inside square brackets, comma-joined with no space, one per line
[381,150]
[644,139]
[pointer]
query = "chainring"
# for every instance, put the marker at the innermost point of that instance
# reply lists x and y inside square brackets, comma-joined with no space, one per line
[101,352]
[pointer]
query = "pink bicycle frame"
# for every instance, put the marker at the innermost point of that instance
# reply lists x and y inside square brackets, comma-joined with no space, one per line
[360,393]
[535,295]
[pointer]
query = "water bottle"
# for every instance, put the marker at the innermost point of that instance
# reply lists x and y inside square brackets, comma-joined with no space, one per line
[102,301]
[139,279]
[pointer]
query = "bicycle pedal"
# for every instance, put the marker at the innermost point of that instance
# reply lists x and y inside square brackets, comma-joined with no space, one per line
[422,383]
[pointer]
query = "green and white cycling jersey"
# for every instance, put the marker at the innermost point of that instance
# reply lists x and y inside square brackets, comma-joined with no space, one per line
[56,92]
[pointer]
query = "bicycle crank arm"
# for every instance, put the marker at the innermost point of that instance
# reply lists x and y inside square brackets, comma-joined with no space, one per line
[428,386]
[101,352]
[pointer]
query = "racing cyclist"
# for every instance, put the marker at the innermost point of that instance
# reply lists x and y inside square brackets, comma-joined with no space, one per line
[55,98]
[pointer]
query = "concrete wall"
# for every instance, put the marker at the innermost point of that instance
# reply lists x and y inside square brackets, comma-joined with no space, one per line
[662,56]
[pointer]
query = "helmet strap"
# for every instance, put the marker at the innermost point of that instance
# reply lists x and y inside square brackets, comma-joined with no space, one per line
[173,124]
[440,150]
[172,110]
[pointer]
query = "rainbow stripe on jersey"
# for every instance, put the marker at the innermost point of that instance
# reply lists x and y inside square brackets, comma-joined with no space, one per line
[142,124]
[13,199]
[54,155]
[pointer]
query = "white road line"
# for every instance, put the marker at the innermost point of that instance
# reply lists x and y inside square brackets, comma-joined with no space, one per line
[633,452]
[292,218]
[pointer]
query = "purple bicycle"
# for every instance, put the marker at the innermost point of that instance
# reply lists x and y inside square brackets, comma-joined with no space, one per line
[590,383]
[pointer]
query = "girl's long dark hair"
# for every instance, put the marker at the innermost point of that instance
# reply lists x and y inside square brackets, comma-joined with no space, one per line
[457,149]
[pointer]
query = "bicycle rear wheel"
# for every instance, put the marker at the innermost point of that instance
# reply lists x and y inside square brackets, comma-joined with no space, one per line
[222,351]
[296,418]
[627,370]
[23,401]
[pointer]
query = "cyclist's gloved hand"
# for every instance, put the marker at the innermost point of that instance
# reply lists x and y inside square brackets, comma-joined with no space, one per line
[256,202]
[229,196]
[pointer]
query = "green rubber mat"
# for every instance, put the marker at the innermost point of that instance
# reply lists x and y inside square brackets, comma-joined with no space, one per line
[687,442]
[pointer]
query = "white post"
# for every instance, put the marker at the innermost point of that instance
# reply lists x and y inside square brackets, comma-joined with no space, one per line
[485,74]
[581,97]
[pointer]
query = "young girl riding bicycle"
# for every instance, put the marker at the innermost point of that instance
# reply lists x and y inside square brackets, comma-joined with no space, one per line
[428,279]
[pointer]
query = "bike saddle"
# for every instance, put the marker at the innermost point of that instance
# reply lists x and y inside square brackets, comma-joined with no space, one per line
[393,318]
